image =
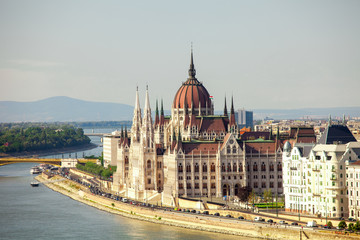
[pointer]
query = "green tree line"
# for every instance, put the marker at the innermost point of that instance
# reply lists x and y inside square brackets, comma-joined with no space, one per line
[97,169]
[16,138]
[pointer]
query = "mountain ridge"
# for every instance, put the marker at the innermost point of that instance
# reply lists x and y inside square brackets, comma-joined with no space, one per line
[67,109]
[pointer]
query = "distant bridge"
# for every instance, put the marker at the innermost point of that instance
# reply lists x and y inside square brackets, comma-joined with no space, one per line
[95,134]
[52,161]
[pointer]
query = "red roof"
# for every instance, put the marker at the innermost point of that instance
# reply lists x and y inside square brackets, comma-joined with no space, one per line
[192,91]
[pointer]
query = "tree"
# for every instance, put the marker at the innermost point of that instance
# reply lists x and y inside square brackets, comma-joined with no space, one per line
[351,226]
[329,224]
[252,196]
[357,226]
[244,193]
[267,195]
[342,224]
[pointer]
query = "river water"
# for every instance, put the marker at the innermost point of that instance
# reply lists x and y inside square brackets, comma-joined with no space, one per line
[40,213]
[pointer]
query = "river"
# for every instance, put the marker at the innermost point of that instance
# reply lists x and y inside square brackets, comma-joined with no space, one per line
[40,213]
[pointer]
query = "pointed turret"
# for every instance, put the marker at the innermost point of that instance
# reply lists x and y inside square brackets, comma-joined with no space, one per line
[157,114]
[225,109]
[147,124]
[137,121]
[232,113]
[192,71]
[162,117]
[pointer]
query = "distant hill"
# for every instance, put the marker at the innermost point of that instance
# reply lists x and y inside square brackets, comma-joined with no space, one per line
[66,109]
[63,109]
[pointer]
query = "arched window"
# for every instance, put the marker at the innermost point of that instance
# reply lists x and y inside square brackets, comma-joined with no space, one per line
[248,167]
[279,166]
[255,167]
[229,167]
[240,167]
[126,160]
[263,167]
[180,168]
[271,167]
[148,164]
[223,167]
[188,168]
[234,167]
[212,167]
[228,149]
[204,169]
[234,149]
[196,167]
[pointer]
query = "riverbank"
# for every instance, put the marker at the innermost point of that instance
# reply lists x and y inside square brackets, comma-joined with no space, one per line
[179,219]
[57,151]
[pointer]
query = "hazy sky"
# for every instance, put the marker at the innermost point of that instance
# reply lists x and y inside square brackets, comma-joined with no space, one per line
[268,54]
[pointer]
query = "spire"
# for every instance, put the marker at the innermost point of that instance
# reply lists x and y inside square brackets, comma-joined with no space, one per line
[126,133]
[329,119]
[122,132]
[162,119]
[344,120]
[225,108]
[157,113]
[136,124]
[232,113]
[192,71]
[147,102]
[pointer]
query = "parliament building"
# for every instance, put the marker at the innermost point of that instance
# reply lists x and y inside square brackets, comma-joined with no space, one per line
[192,152]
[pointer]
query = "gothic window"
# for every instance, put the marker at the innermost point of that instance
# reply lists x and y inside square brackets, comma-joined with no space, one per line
[263,185]
[223,167]
[271,168]
[234,149]
[228,150]
[126,160]
[180,186]
[149,180]
[180,168]
[204,168]
[279,167]
[188,168]
[196,185]
[196,167]
[148,164]
[213,186]
[212,167]
[263,167]
[229,167]
[204,185]
[255,185]
[240,167]
[279,184]
[271,184]
[248,167]
[188,186]
[234,167]
[255,167]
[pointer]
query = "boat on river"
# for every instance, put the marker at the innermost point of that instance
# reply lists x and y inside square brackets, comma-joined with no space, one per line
[35,170]
[34,184]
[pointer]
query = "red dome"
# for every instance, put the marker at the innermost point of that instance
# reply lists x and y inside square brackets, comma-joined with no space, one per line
[192,91]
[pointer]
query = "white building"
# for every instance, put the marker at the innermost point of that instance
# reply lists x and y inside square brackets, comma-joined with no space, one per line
[315,176]
[110,142]
[353,183]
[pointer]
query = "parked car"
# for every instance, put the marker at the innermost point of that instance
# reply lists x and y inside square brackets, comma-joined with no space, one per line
[206,212]
[352,219]
[217,214]
[125,200]
[327,227]
[193,211]
[228,216]
[282,222]
[258,219]
[294,224]
[241,218]
[270,221]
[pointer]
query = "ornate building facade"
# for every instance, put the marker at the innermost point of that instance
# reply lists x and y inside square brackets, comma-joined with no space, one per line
[193,153]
